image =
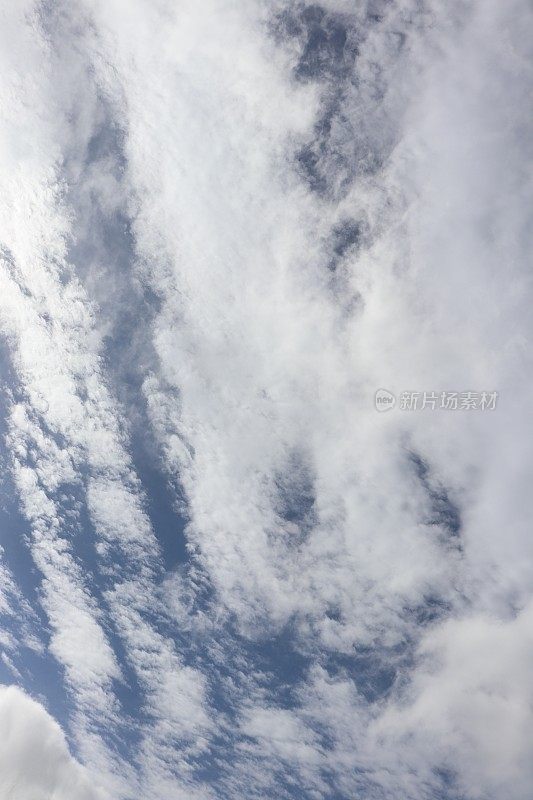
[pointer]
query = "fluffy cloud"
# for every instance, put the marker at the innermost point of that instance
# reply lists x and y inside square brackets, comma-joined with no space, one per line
[469,706]
[34,758]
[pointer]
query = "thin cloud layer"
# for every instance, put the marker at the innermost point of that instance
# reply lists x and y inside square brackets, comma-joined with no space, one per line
[223,230]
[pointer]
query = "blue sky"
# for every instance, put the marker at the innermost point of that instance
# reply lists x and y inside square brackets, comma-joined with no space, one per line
[224,574]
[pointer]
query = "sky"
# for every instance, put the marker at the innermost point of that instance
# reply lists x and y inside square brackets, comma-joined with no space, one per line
[227,229]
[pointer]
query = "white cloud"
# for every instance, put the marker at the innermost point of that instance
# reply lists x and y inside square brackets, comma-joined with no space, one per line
[34,758]
[255,336]
[304,505]
[469,706]
[67,433]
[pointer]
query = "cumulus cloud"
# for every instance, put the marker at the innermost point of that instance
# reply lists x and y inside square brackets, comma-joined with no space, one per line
[35,761]
[469,705]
